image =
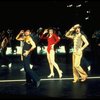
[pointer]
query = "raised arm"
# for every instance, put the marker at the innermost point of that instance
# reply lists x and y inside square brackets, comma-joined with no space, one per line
[4,42]
[19,37]
[69,33]
[42,36]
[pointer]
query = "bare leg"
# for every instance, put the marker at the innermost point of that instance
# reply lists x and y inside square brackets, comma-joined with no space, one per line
[50,65]
[52,59]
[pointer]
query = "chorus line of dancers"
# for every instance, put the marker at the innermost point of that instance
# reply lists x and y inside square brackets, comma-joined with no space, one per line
[30,42]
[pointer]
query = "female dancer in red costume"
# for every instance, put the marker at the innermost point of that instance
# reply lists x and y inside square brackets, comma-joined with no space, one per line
[52,39]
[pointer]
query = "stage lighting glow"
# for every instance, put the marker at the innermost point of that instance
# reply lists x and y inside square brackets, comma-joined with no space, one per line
[61,49]
[86,1]
[9,51]
[89,68]
[77,6]
[87,18]
[87,11]
[10,65]
[43,50]
[69,5]
[22,69]
[19,50]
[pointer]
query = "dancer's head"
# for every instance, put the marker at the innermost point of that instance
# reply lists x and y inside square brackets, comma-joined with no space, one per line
[27,32]
[77,28]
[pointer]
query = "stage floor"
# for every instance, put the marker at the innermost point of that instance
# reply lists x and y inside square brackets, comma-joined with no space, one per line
[51,88]
[12,83]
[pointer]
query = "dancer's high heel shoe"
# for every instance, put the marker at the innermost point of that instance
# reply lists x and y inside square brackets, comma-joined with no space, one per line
[60,74]
[51,75]
[84,79]
[75,81]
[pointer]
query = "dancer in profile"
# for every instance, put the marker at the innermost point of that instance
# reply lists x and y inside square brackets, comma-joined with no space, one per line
[78,40]
[52,39]
[28,47]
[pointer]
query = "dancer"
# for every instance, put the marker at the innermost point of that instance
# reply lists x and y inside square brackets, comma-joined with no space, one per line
[52,39]
[28,47]
[78,40]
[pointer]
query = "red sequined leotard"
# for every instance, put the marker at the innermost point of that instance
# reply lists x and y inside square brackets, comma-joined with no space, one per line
[54,39]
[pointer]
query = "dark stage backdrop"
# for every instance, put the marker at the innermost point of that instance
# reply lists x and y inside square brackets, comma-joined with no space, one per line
[18,15]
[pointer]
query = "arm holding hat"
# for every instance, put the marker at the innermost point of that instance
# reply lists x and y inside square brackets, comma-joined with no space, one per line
[69,34]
